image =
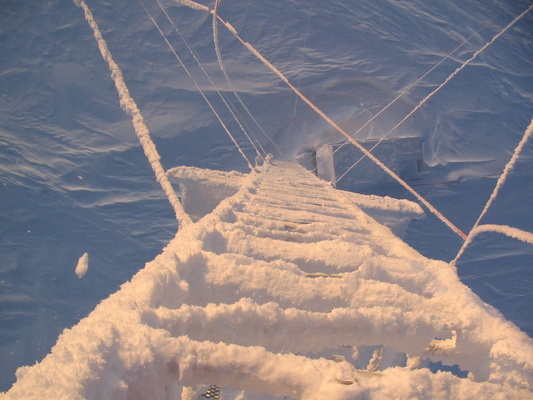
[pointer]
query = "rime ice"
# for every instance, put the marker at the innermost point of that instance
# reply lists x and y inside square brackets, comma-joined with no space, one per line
[82,266]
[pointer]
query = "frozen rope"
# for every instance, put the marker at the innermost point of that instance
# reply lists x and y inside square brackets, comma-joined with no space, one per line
[501,180]
[194,5]
[340,130]
[451,76]
[195,56]
[223,68]
[130,107]
[228,80]
[193,53]
[515,233]
[194,81]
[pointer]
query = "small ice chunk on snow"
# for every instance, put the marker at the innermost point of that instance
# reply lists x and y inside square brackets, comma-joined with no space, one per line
[83,265]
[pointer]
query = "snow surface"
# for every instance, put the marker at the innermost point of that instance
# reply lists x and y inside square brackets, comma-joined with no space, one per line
[231,300]
[74,179]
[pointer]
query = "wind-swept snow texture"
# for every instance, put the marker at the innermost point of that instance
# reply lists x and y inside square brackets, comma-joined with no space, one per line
[287,289]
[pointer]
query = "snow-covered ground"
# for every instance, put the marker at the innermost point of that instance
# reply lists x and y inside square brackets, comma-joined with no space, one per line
[75,181]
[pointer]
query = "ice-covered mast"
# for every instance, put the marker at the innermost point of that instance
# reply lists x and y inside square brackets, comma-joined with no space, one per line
[130,107]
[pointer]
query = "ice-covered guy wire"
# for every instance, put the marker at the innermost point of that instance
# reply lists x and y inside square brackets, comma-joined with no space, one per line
[228,80]
[342,131]
[196,84]
[194,5]
[515,233]
[197,59]
[231,109]
[451,76]
[501,180]
[200,64]
[130,107]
